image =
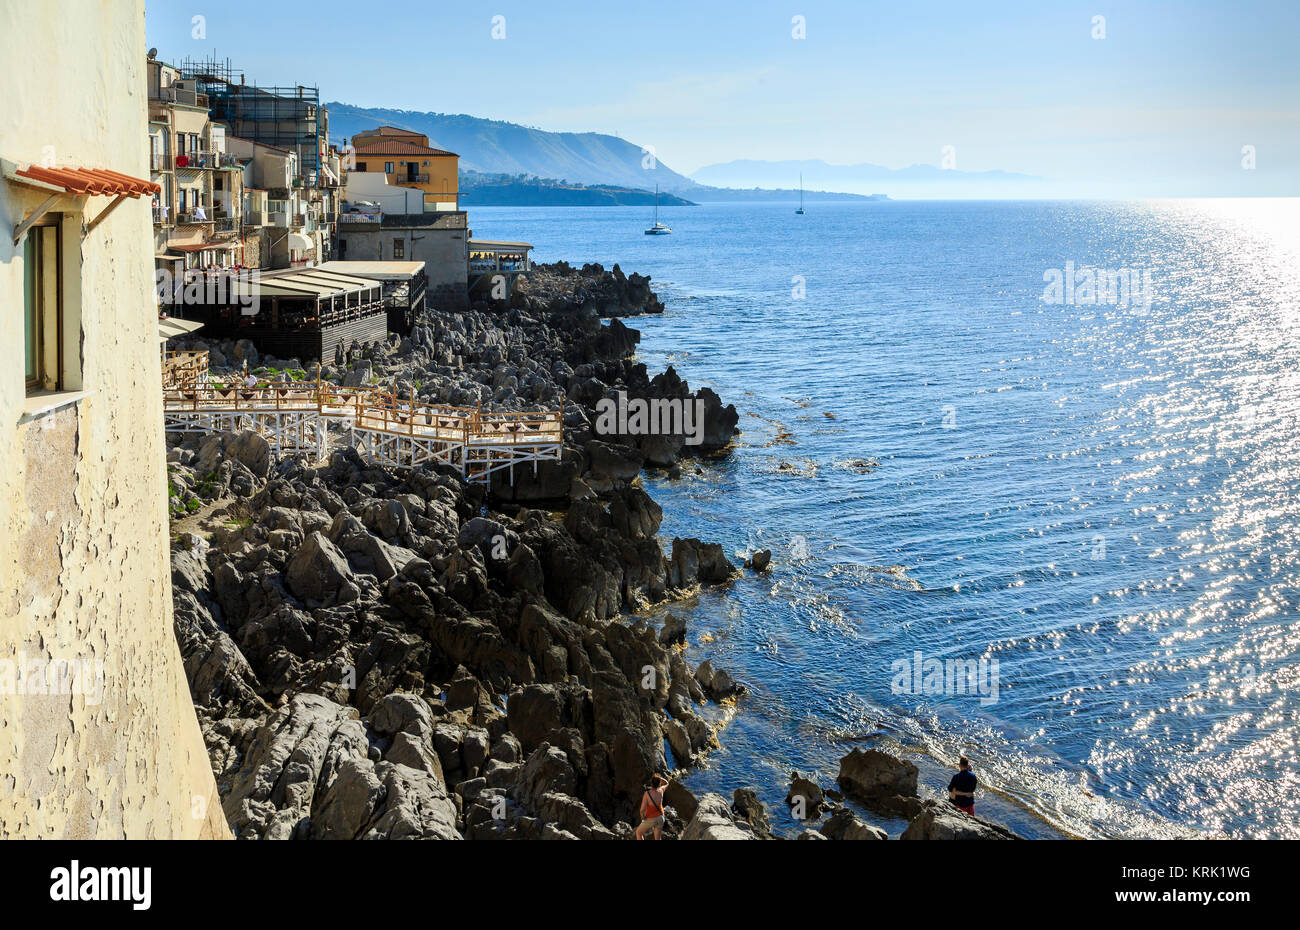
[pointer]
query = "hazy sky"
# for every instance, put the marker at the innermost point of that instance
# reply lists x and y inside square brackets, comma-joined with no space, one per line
[1161,106]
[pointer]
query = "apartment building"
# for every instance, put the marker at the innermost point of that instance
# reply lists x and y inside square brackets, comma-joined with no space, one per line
[290,121]
[405,159]
[198,213]
[402,203]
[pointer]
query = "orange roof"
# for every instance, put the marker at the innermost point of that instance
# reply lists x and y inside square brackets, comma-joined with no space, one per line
[90,181]
[398,148]
[389,131]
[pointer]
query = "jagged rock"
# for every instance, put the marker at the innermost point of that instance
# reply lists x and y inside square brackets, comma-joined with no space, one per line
[939,820]
[694,562]
[713,820]
[620,463]
[301,747]
[843,824]
[879,780]
[717,683]
[381,800]
[747,806]
[809,791]
[673,631]
[681,799]
[319,572]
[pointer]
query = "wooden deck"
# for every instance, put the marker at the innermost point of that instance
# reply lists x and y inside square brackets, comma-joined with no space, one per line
[385,428]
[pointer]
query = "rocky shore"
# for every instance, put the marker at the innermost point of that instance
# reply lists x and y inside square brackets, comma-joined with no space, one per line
[392,653]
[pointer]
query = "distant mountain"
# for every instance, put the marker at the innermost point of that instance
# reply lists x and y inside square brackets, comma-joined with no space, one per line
[577,159]
[748,173]
[585,160]
[499,190]
[704,194]
[496,147]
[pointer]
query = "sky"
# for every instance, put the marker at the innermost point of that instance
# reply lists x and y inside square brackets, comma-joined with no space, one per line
[1159,99]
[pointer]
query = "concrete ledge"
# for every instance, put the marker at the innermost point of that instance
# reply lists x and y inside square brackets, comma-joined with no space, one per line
[37,405]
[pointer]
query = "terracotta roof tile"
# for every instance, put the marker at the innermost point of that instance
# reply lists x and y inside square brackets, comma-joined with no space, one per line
[90,181]
[398,148]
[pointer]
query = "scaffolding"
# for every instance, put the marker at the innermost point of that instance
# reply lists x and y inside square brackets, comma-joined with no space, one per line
[281,116]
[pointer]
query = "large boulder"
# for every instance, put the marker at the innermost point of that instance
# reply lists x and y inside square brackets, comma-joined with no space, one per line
[746,805]
[939,820]
[714,820]
[843,824]
[299,749]
[880,780]
[620,463]
[694,562]
[318,571]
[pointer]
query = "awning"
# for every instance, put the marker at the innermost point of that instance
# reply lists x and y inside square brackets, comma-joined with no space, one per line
[173,327]
[78,182]
[496,245]
[89,181]
[383,271]
[300,242]
[202,246]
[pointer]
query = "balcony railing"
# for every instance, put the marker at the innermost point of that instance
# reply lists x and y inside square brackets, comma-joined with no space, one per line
[408,179]
[159,162]
[194,161]
[183,96]
[225,224]
[361,217]
[184,217]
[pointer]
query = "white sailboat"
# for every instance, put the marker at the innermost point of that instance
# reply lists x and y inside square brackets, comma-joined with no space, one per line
[658,229]
[800,210]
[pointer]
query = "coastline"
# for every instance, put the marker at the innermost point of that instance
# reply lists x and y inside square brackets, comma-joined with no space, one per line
[380,652]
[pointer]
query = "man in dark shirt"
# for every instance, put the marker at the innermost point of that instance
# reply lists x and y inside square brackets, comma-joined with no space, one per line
[961,790]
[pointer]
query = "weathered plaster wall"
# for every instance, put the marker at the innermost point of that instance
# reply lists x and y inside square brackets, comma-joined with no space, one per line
[84,569]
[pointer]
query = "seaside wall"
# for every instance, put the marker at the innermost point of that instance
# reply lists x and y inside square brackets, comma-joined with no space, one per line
[98,736]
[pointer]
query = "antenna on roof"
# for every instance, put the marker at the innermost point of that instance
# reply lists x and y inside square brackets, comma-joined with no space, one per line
[153,53]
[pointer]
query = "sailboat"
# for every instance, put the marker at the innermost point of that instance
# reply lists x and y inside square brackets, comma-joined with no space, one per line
[800,210]
[658,229]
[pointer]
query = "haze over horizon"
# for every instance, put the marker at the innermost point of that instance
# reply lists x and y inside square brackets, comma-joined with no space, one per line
[1174,100]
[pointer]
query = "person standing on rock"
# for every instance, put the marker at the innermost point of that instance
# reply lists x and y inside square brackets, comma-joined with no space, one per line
[961,790]
[652,808]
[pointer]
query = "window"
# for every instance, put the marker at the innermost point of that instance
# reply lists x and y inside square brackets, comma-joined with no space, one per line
[43,306]
[388,167]
[361,166]
[399,249]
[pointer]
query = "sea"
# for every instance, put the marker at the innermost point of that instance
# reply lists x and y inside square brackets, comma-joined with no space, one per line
[1028,472]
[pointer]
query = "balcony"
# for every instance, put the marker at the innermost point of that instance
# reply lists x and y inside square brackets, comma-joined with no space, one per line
[190,218]
[225,224]
[196,161]
[345,218]
[400,179]
[182,95]
[159,162]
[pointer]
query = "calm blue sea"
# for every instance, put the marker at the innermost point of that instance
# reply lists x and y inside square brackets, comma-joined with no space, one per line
[1100,498]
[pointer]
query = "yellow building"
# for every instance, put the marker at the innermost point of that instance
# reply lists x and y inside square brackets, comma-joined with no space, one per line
[98,736]
[407,160]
